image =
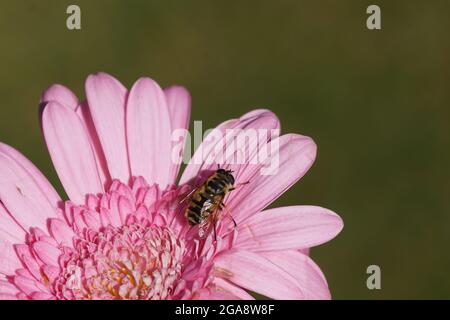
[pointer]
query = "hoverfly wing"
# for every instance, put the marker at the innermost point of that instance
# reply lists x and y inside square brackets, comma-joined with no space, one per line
[204,229]
[208,226]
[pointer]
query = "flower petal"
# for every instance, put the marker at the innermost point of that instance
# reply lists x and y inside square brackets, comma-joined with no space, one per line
[61,232]
[71,152]
[85,115]
[148,132]
[256,273]
[206,156]
[10,230]
[42,296]
[7,296]
[215,293]
[24,199]
[48,253]
[28,285]
[41,181]
[295,156]
[61,94]
[66,97]
[107,98]
[28,259]
[7,287]
[179,104]
[296,227]
[226,287]
[10,233]
[305,271]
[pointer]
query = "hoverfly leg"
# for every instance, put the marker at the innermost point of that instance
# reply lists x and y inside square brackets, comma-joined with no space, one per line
[223,206]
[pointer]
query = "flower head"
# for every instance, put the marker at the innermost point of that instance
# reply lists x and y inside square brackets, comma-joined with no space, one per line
[123,234]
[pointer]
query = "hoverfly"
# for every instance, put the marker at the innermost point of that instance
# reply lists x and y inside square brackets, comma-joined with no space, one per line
[207,200]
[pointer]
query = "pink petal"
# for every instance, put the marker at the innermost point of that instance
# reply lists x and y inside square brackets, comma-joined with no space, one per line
[47,253]
[179,104]
[296,227]
[148,132]
[42,296]
[107,98]
[61,94]
[257,119]
[66,97]
[256,273]
[9,232]
[92,220]
[247,144]
[213,293]
[305,251]
[114,209]
[112,217]
[102,167]
[204,149]
[226,287]
[24,199]
[24,273]
[9,229]
[51,272]
[296,155]
[27,285]
[8,288]
[28,260]
[7,296]
[61,232]
[307,274]
[71,152]
[8,262]
[105,218]
[125,207]
[40,180]
[79,223]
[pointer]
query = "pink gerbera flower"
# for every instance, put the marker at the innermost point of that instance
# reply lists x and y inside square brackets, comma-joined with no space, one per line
[122,234]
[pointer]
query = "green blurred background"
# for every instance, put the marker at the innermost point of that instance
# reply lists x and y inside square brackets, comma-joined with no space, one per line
[376,102]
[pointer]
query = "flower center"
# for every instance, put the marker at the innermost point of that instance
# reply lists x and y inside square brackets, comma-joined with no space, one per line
[130,262]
